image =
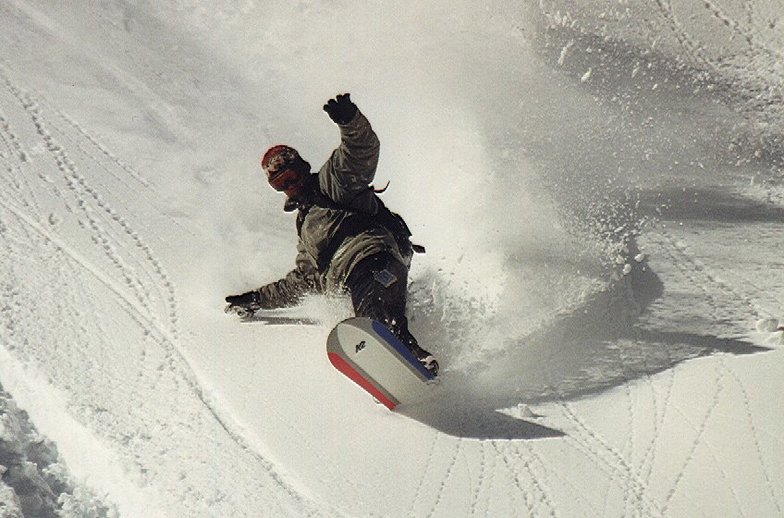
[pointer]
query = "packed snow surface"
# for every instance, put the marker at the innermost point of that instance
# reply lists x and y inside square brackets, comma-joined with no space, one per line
[600,190]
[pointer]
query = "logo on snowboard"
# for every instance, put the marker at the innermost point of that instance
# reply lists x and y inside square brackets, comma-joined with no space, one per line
[361,345]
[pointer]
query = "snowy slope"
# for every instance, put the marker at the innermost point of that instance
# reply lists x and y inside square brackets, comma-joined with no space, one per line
[600,190]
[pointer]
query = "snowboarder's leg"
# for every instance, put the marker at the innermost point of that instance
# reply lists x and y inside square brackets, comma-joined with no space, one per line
[378,287]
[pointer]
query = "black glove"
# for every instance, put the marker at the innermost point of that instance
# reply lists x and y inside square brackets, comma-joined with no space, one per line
[340,109]
[248,299]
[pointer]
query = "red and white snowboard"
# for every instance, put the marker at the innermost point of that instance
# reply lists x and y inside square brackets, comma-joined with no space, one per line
[373,358]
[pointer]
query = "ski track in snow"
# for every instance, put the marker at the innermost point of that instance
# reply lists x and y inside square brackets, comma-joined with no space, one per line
[609,460]
[701,277]
[480,481]
[760,456]
[446,477]
[113,254]
[697,442]
[420,485]
[520,491]
[86,198]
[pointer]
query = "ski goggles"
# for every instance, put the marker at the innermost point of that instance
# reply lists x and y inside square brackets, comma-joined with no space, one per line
[284,180]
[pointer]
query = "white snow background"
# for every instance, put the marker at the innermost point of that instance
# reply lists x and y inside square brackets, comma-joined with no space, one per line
[600,190]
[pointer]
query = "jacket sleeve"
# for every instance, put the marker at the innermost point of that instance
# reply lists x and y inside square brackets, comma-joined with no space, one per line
[290,290]
[345,177]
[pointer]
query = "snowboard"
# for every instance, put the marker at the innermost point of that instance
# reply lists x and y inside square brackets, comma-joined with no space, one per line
[366,352]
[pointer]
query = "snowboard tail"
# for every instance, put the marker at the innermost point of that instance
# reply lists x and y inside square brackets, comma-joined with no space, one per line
[366,352]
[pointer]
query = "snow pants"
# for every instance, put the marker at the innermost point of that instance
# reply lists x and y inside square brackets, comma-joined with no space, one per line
[379,287]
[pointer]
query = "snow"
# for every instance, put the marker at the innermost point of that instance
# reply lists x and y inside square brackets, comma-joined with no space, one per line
[599,190]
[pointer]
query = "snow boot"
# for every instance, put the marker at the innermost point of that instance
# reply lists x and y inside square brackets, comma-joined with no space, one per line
[427,360]
[430,363]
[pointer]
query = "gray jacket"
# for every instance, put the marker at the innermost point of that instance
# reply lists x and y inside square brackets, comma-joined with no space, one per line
[345,180]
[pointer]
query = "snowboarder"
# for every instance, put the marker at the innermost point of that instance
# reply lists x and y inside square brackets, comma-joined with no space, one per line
[348,239]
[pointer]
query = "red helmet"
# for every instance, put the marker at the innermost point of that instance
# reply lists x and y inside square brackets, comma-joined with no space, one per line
[286,171]
[281,158]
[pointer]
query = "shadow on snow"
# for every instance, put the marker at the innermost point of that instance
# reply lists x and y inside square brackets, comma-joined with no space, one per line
[602,344]
[690,204]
